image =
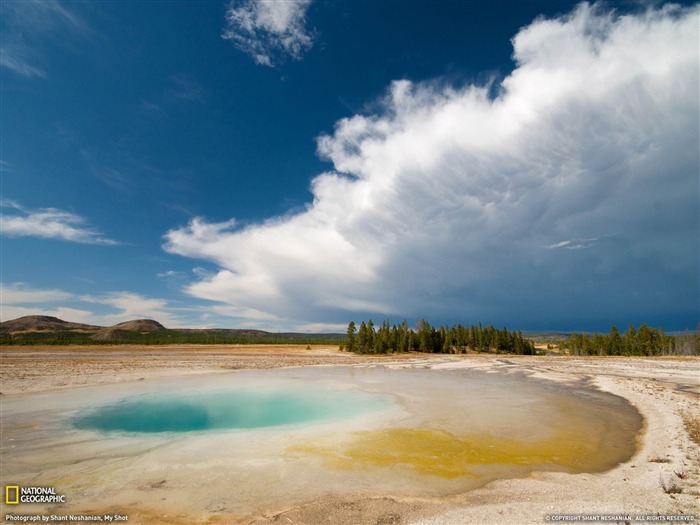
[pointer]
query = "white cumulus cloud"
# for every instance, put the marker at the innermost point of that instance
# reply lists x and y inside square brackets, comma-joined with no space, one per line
[269,30]
[450,203]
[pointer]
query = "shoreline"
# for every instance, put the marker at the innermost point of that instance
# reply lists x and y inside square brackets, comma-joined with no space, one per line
[666,456]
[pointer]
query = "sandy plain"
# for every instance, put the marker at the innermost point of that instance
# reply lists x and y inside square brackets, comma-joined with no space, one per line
[661,479]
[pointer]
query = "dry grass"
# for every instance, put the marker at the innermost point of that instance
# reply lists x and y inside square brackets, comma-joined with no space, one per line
[658,459]
[692,426]
[671,487]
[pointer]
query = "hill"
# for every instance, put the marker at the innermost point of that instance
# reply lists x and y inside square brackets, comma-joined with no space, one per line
[43,327]
[43,323]
[139,325]
[121,331]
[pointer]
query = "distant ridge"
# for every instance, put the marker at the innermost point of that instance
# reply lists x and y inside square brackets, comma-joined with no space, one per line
[43,323]
[46,330]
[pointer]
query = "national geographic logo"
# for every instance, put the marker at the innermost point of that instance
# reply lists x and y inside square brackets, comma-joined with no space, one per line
[14,495]
[11,494]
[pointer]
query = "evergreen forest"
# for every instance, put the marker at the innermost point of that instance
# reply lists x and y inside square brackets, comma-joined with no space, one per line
[456,339]
[642,341]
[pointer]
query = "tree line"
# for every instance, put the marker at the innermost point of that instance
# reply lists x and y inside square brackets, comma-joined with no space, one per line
[642,341]
[455,339]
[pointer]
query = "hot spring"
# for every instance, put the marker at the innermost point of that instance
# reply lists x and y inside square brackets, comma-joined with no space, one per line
[247,440]
[238,408]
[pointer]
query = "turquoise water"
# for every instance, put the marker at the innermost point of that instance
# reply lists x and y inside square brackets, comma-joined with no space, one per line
[229,409]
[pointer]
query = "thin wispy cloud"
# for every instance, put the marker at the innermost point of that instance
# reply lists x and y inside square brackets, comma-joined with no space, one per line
[185,88]
[573,244]
[270,31]
[181,89]
[48,223]
[440,203]
[29,25]
[16,58]
[19,300]
[19,293]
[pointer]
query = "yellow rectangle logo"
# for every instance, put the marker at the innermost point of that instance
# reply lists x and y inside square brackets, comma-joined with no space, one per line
[8,499]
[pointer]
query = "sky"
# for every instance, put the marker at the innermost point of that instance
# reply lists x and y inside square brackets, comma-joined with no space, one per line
[297,164]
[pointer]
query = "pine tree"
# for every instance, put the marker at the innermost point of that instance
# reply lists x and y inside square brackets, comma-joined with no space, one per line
[351,344]
[362,339]
[615,344]
[405,338]
[371,340]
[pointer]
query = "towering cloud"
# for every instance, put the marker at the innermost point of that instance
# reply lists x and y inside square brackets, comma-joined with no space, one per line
[575,185]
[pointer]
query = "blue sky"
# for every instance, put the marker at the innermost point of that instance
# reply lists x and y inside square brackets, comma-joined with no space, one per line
[294,165]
